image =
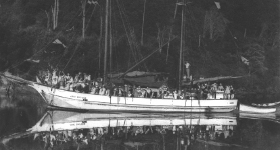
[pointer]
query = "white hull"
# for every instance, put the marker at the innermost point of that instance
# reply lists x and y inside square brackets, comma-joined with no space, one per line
[74,100]
[252,109]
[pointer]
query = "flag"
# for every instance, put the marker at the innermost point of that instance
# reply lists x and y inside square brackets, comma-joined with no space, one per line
[57,41]
[244,60]
[32,60]
[38,80]
[218,5]
[92,2]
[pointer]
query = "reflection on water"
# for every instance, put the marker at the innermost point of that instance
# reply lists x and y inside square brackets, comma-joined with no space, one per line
[92,130]
[25,124]
[20,108]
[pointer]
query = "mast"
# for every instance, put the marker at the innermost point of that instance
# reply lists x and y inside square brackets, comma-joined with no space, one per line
[182,45]
[106,40]
[100,42]
[110,34]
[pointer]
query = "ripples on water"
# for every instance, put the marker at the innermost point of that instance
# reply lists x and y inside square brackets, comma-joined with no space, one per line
[126,131]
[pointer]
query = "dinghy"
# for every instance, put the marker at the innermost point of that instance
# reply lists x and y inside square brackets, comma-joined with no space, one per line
[253,109]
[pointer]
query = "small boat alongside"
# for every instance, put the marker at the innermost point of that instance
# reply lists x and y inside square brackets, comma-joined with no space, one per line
[254,109]
[266,104]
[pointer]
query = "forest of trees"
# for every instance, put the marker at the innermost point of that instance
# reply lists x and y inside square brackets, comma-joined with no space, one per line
[215,39]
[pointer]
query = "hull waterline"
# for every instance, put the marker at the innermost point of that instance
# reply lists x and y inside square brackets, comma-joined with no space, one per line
[74,100]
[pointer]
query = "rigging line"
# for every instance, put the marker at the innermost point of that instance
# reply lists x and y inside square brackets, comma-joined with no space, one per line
[58,34]
[132,36]
[143,59]
[72,54]
[129,34]
[90,17]
[193,20]
[170,33]
[207,56]
[65,50]
[129,41]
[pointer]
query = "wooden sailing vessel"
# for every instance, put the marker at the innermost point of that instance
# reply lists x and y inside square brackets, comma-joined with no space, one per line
[74,100]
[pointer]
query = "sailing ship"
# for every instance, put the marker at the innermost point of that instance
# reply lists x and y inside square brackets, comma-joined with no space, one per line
[74,100]
[67,99]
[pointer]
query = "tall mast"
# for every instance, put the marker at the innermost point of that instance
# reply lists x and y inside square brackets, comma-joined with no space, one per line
[182,44]
[100,41]
[110,34]
[106,40]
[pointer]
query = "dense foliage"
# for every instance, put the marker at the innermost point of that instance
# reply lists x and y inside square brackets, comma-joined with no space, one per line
[215,39]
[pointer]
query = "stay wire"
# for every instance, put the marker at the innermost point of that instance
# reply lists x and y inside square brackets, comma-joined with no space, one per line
[57,35]
[90,17]
[77,46]
[170,32]
[65,50]
[79,41]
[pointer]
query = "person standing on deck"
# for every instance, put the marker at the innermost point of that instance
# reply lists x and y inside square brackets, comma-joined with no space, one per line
[125,92]
[48,78]
[187,65]
[227,92]
[220,87]
[231,92]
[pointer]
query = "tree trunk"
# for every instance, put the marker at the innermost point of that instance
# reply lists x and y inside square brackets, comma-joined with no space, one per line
[84,17]
[48,17]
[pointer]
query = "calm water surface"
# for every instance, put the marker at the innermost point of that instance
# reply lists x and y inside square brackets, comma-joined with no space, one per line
[24,109]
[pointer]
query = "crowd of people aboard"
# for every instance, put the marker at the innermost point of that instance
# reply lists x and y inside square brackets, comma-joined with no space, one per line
[83,83]
[186,133]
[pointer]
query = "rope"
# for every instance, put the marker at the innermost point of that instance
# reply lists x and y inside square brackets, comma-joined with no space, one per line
[171,33]
[130,36]
[90,17]
[80,41]
[57,35]
[72,54]
[65,50]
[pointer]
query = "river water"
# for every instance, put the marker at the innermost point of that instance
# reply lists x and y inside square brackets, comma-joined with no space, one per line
[24,109]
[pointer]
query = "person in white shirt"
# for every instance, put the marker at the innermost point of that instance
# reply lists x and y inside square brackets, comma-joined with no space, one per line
[187,65]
